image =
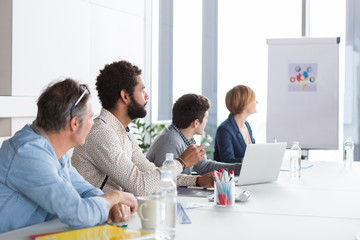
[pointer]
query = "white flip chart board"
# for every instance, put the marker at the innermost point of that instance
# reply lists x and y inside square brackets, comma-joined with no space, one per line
[303,92]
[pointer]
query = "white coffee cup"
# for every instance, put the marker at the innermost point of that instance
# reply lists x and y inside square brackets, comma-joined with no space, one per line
[147,211]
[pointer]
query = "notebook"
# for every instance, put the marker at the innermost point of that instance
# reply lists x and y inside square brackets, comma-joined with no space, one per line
[106,232]
[261,163]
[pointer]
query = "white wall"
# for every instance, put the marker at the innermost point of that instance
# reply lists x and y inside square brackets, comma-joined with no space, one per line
[54,39]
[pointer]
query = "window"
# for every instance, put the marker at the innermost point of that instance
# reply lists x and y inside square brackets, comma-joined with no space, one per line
[244,27]
[242,30]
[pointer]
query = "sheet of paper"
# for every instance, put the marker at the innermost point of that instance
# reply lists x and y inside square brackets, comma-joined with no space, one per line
[194,192]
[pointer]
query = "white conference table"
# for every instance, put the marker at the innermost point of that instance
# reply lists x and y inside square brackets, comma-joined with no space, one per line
[323,204]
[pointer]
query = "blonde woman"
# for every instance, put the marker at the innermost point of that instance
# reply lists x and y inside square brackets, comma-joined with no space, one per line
[233,135]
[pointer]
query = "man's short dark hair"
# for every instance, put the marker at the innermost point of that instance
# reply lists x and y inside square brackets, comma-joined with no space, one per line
[114,78]
[188,108]
[56,101]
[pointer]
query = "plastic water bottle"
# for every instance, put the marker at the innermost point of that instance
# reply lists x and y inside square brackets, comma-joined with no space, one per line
[295,160]
[166,207]
[348,152]
[170,165]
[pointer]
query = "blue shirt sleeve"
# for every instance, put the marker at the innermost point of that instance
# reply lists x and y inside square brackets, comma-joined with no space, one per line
[56,187]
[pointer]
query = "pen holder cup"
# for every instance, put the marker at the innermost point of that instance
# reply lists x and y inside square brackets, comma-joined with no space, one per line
[224,194]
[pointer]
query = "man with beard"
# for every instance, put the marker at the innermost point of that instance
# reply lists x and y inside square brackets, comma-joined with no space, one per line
[111,157]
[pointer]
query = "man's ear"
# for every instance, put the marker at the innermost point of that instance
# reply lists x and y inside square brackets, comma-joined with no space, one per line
[124,96]
[195,123]
[74,124]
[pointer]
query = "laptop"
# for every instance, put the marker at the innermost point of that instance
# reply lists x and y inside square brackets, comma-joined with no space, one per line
[261,163]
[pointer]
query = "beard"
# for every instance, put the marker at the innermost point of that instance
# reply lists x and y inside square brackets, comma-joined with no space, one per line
[136,110]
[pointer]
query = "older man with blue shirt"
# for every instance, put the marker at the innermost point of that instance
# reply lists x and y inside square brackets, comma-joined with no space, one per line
[37,180]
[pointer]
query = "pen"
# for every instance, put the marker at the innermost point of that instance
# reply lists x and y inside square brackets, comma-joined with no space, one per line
[231,175]
[194,187]
[122,226]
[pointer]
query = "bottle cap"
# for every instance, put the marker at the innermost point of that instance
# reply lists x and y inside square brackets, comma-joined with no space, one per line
[295,143]
[169,156]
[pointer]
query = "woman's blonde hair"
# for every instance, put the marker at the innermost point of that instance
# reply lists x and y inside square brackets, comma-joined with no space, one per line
[238,98]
